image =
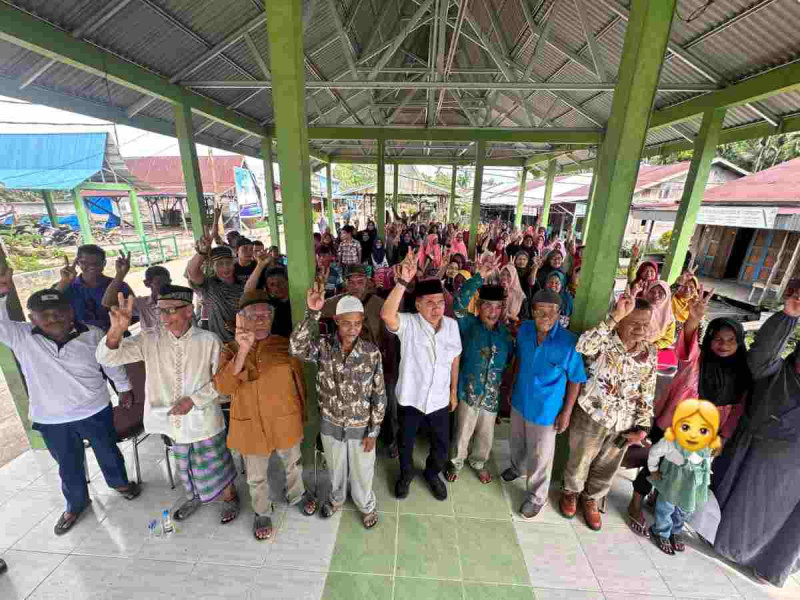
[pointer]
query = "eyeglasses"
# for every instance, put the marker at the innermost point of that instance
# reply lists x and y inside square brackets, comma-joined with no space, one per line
[544,314]
[258,317]
[171,310]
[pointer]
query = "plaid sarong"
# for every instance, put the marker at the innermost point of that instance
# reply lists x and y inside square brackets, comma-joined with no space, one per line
[205,467]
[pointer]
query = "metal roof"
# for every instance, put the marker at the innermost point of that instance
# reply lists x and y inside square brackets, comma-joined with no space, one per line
[164,174]
[777,185]
[50,161]
[201,43]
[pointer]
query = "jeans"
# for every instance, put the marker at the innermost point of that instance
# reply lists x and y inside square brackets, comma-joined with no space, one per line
[669,519]
[438,423]
[65,443]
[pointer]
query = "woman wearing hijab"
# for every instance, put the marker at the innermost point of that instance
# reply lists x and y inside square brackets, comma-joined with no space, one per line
[683,292]
[457,246]
[552,262]
[716,371]
[406,242]
[522,263]
[557,282]
[662,321]
[366,240]
[640,276]
[430,252]
[378,258]
[516,304]
[757,479]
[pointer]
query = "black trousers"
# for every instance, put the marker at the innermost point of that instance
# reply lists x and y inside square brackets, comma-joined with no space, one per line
[640,484]
[438,425]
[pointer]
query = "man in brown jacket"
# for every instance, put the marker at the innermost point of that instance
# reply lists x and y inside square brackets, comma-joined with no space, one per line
[268,406]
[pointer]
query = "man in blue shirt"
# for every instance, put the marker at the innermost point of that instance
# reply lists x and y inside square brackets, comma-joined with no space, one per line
[487,349]
[549,376]
[85,291]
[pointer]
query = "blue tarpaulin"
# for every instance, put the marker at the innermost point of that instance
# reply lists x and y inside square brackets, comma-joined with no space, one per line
[49,161]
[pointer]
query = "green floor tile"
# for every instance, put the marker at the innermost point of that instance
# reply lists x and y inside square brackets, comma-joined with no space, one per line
[488,591]
[471,498]
[359,550]
[490,552]
[426,589]
[426,547]
[343,586]
[421,501]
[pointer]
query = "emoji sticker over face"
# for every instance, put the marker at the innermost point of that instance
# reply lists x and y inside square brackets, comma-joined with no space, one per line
[695,425]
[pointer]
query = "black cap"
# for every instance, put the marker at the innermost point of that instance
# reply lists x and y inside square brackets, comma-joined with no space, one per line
[491,293]
[242,241]
[426,287]
[176,292]
[255,297]
[276,272]
[546,297]
[354,270]
[46,299]
[221,252]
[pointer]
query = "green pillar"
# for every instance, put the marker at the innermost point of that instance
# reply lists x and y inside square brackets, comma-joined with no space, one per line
[269,190]
[285,38]
[137,216]
[480,156]
[523,178]
[380,204]
[693,191]
[191,168]
[83,217]
[589,202]
[49,204]
[396,185]
[329,179]
[451,208]
[645,43]
[544,219]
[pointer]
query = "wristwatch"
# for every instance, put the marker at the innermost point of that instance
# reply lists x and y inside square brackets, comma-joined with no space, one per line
[402,282]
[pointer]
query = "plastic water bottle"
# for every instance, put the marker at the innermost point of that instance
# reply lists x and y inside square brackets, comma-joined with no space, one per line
[166,523]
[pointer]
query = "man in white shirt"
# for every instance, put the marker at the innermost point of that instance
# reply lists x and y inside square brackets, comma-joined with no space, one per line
[180,399]
[430,347]
[69,400]
[144,307]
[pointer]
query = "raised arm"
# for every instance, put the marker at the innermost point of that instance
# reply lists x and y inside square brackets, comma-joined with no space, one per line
[113,350]
[123,266]
[764,356]
[407,271]
[304,341]
[634,264]
[68,274]
[194,269]
[11,332]
[594,341]
[263,260]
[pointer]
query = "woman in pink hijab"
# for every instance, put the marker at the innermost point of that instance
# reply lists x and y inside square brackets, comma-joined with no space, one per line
[430,251]
[515,297]
[662,322]
[457,245]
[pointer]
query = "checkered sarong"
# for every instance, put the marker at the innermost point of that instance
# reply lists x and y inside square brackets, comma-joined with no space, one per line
[205,467]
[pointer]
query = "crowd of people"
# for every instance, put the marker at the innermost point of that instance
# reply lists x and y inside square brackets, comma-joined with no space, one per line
[409,336]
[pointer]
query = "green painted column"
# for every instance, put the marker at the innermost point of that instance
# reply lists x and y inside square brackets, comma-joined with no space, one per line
[137,216]
[329,180]
[548,193]
[49,204]
[475,218]
[380,200]
[269,190]
[523,179]
[285,38]
[83,217]
[191,168]
[395,185]
[642,54]
[589,202]
[451,207]
[694,189]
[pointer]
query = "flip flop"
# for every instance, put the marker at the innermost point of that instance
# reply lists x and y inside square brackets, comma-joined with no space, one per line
[262,523]
[328,510]
[677,543]
[230,510]
[639,527]
[186,509]
[662,543]
[132,491]
[63,525]
[308,506]
[370,519]
[451,474]
[485,476]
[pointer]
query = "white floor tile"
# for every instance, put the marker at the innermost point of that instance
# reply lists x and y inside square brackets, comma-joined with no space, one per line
[304,543]
[23,512]
[554,557]
[286,584]
[26,570]
[552,594]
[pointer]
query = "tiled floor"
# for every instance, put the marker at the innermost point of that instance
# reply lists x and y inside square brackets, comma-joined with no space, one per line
[469,547]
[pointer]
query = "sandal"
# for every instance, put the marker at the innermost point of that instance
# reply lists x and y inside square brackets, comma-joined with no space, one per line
[651,498]
[308,506]
[369,519]
[639,526]
[677,543]
[328,510]
[230,510]
[663,543]
[262,524]
[485,476]
[186,509]
[131,491]
[64,525]
[394,452]
[451,474]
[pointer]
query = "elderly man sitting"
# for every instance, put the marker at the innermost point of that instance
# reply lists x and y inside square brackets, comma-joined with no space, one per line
[180,399]
[267,407]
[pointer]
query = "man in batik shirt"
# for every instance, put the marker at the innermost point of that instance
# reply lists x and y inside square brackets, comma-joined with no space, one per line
[352,399]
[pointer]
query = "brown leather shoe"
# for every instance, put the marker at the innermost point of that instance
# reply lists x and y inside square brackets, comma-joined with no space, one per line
[591,514]
[568,504]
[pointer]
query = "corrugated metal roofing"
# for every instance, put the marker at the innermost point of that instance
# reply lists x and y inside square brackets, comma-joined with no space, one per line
[779,184]
[165,174]
[50,161]
[736,38]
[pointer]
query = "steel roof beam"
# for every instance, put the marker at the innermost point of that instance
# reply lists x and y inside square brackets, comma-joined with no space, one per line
[427,160]
[398,39]
[594,48]
[775,81]
[459,134]
[39,36]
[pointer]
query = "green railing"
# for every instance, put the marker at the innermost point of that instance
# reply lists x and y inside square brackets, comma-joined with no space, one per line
[151,250]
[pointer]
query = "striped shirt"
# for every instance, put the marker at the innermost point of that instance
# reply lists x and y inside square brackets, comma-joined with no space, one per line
[223,305]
